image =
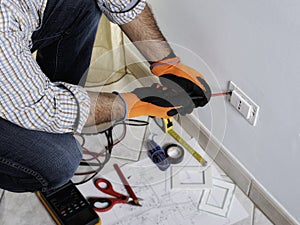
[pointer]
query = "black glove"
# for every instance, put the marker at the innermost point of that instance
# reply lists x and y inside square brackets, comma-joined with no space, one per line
[158,101]
[176,75]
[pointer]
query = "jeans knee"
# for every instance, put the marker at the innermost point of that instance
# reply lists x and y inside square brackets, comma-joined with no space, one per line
[56,158]
[63,166]
[36,160]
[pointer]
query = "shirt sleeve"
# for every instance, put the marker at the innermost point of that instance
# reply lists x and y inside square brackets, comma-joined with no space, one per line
[27,97]
[121,11]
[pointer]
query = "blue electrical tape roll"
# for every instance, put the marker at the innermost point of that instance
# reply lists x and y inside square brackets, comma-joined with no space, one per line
[157,155]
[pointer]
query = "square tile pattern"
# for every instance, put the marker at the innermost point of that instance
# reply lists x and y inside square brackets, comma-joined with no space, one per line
[26,209]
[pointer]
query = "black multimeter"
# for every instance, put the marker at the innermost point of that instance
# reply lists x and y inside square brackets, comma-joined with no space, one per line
[67,206]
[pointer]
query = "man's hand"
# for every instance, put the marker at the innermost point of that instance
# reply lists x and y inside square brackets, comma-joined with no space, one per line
[158,101]
[174,74]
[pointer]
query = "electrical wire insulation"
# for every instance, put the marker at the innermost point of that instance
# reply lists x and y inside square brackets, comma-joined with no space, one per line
[92,159]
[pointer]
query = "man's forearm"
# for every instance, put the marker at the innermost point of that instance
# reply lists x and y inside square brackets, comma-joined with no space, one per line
[104,107]
[146,36]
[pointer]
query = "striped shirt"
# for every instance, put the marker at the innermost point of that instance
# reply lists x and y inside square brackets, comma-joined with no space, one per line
[27,97]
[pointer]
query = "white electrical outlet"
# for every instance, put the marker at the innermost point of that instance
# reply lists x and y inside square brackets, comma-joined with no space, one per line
[242,103]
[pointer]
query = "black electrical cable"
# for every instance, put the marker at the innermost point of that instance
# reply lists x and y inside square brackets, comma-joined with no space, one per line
[136,123]
[108,149]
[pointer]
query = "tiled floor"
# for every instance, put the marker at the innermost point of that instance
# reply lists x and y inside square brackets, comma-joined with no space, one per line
[26,209]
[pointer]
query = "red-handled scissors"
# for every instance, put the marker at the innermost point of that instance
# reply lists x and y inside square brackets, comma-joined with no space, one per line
[106,203]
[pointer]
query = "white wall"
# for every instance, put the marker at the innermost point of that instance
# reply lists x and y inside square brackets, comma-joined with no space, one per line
[256,44]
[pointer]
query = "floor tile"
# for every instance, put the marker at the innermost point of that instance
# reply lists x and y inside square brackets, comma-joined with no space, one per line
[23,209]
[248,206]
[243,199]
[260,218]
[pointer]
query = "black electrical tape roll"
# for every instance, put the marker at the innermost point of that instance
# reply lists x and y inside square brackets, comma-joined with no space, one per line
[174,153]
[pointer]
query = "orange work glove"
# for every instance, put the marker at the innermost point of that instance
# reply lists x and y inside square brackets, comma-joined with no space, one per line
[174,74]
[157,101]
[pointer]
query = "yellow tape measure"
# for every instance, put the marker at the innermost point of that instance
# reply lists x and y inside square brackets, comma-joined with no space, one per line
[167,126]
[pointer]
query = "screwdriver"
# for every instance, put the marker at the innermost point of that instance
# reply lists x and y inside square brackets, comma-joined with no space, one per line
[214,95]
[221,94]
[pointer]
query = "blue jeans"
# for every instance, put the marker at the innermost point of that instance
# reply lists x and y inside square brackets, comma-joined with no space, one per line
[39,161]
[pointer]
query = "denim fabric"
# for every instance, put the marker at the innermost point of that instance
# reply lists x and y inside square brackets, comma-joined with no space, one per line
[33,160]
[65,40]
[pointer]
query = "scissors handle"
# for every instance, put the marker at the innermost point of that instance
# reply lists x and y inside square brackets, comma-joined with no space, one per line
[105,204]
[106,187]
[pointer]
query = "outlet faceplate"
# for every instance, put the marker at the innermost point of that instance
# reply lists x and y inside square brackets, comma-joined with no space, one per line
[242,103]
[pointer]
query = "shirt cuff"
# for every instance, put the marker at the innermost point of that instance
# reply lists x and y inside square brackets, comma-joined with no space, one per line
[83,105]
[122,12]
